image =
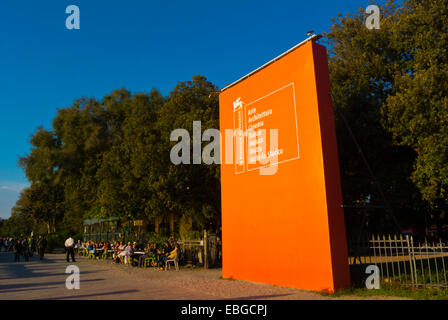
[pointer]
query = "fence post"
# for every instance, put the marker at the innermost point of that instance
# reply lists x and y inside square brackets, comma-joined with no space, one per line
[391,257]
[433,250]
[387,260]
[421,264]
[205,250]
[443,261]
[411,266]
[429,262]
[404,260]
[414,261]
[398,257]
[380,259]
[374,251]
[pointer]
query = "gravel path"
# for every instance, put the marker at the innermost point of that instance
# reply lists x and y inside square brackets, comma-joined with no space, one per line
[106,280]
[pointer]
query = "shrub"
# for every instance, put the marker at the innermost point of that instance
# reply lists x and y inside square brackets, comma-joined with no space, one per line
[56,240]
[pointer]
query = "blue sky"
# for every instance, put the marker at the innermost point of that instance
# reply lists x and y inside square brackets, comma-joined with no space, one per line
[135,44]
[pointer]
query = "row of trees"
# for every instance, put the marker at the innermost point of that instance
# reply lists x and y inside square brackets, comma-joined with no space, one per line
[390,88]
[111,158]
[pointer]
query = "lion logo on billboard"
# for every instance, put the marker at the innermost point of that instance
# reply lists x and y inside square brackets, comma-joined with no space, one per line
[237,104]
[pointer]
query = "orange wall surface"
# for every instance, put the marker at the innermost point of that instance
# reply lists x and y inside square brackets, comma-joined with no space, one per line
[288,228]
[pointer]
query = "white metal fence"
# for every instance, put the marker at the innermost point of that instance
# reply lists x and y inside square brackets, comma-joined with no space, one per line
[403,261]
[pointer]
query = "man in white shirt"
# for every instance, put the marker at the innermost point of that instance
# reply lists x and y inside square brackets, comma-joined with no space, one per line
[69,245]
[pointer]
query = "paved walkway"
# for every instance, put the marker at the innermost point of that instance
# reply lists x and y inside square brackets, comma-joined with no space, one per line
[105,280]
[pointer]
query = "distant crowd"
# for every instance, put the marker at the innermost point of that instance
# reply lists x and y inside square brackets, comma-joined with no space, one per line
[131,253]
[25,247]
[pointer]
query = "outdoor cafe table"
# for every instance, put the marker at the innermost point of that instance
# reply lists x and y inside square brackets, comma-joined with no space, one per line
[139,253]
[99,252]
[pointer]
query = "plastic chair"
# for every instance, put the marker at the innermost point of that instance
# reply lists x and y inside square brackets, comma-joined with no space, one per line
[149,262]
[125,259]
[175,262]
[130,261]
[82,252]
[104,255]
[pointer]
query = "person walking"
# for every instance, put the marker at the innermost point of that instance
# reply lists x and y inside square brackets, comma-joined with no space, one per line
[70,247]
[41,244]
[17,250]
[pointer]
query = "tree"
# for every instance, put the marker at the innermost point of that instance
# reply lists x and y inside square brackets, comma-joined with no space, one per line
[362,66]
[111,158]
[416,113]
[389,88]
[82,132]
[24,217]
[125,174]
[188,190]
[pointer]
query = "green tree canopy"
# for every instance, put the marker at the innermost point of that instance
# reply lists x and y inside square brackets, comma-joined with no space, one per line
[389,86]
[111,158]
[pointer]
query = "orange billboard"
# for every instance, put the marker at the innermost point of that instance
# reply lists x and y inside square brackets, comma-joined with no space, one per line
[282,220]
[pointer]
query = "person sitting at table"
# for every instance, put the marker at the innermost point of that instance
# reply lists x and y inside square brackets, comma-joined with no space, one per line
[142,257]
[154,252]
[173,254]
[133,255]
[149,253]
[118,249]
[163,254]
[77,246]
[166,248]
[91,248]
[170,256]
[98,250]
[125,254]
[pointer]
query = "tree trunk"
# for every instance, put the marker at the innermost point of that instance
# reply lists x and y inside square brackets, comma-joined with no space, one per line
[171,219]
[157,222]
[54,224]
[185,227]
